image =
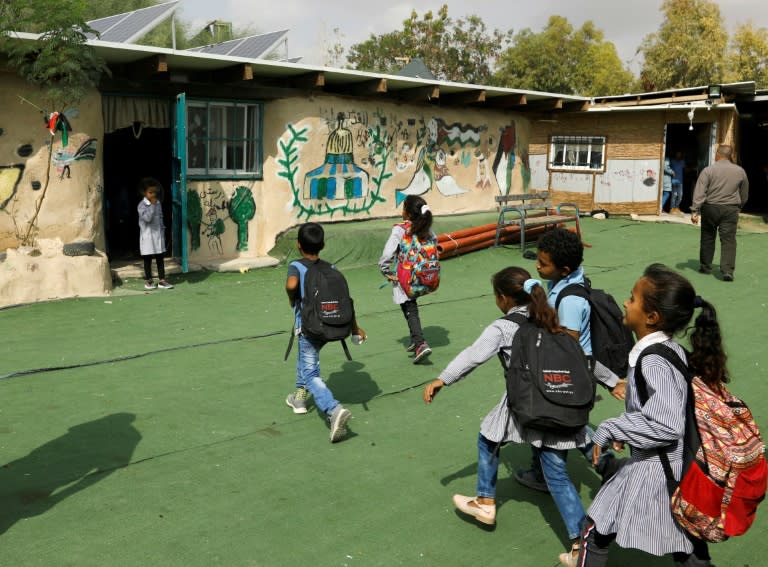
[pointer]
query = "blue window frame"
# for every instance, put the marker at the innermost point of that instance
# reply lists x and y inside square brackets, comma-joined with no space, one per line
[224,139]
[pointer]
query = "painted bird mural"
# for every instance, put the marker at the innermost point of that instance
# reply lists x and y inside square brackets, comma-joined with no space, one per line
[63,158]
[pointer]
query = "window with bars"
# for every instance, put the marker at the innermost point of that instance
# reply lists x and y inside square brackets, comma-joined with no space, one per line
[577,153]
[224,139]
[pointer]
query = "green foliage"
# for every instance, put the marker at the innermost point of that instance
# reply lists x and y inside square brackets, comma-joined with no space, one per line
[59,63]
[454,50]
[688,49]
[194,216]
[242,208]
[561,59]
[748,55]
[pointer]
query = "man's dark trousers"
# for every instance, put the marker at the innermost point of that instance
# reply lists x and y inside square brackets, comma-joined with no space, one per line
[724,218]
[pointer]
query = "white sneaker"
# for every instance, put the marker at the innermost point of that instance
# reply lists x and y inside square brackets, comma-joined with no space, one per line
[338,422]
[149,285]
[162,284]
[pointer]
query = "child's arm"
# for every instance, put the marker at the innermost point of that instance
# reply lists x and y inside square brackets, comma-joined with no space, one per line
[292,289]
[147,212]
[358,330]
[388,255]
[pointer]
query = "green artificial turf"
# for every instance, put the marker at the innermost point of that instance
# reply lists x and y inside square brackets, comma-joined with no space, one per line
[166,440]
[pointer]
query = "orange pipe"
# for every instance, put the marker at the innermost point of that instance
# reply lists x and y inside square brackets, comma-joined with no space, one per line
[510,238]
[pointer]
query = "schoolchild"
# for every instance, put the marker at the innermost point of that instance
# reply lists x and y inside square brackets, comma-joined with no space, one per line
[558,260]
[633,507]
[152,232]
[417,221]
[311,240]
[515,292]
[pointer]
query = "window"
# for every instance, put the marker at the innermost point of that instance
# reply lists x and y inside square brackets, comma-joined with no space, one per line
[577,152]
[223,139]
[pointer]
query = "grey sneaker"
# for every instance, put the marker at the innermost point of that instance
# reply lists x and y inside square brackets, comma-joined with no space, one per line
[162,284]
[297,400]
[531,479]
[422,353]
[411,347]
[338,421]
[149,285]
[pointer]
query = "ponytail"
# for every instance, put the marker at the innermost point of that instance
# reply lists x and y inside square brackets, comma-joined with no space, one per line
[707,360]
[517,284]
[419,215]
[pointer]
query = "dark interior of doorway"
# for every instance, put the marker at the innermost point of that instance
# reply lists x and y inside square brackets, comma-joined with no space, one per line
[694,147]
[753,141]
[129,155]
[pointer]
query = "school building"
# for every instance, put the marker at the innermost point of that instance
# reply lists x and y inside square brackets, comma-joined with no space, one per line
[247,148]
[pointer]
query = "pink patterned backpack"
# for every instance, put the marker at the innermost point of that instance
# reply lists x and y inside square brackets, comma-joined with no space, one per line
[418,264]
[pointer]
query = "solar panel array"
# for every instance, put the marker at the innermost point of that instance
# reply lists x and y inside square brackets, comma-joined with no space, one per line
[252,47]
[131,26]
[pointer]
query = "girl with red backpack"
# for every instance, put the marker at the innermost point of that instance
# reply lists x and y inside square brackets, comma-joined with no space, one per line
[633,506]
[414,231]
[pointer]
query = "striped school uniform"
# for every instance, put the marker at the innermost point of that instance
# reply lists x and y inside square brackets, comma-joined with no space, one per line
[634,504]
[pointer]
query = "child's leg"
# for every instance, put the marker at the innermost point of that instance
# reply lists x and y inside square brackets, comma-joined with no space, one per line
[699,558]
[594,548]
[147,267]
[308,374]
[553,465]
[411,311]
[160,267]
[487,466]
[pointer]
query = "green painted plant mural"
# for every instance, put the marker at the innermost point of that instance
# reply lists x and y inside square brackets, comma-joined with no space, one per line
[242,208]
[194,217]
[338,185]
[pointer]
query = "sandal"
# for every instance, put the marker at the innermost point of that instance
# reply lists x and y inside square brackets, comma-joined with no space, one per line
[571,558]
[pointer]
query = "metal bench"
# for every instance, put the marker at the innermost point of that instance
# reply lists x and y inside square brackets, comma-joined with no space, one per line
[530,210]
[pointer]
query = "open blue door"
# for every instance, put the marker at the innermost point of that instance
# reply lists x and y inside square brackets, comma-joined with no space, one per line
[179,185]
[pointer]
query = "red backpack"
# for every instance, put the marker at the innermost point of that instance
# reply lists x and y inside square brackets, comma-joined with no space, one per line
[725,473]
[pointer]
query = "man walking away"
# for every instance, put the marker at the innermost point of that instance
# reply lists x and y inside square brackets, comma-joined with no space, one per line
[721,192]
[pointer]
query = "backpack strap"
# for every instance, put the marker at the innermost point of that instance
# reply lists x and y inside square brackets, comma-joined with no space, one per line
[521,320]
[674,359]
[572,289]
[302,268]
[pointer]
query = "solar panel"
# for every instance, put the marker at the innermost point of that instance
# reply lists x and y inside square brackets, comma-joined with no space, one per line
[131,26]
[252,47]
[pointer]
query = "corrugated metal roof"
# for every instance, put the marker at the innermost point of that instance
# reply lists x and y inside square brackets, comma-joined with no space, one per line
[131,26]
[251,47]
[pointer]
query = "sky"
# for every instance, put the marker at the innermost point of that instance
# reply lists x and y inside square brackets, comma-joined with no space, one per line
[311,22]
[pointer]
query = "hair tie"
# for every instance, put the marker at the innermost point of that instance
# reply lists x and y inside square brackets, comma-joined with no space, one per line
[424,209]
[698,302]
[530,284]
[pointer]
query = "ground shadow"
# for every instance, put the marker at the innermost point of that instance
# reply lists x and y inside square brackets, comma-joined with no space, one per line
[83,456]
[351,385]
[691,264]
[435,336]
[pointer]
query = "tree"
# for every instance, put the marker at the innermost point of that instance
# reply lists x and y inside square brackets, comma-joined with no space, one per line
[461,50]
[689,48]
[560,59]
[59,64]
[748,55]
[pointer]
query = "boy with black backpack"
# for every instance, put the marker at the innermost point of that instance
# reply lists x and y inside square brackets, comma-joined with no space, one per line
[324,312]
[558,260]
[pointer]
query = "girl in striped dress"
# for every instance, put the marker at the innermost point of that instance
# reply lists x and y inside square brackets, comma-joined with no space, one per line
[515,292]
[633,506]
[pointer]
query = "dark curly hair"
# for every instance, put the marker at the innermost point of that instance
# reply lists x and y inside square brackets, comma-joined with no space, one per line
[564,248]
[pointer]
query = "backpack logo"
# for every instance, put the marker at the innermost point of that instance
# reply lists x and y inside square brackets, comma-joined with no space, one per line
[611,340]
[418,266]
[549,384]
[724,469]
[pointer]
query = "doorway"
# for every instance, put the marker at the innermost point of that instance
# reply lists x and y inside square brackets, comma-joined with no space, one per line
[129,155]
[753,139]
[694,147]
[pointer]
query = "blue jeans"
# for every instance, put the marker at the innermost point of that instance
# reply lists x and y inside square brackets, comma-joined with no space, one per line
[487,466]
[677,195]
[553,465]
[664,197]
[308,374]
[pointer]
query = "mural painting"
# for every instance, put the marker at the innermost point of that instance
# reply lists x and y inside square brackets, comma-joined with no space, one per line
[207,213]
[63,158]
[9,181]
[367,156]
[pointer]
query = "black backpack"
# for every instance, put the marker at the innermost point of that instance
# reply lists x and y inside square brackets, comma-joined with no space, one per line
[611,340]
[327,310]
[549,384]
